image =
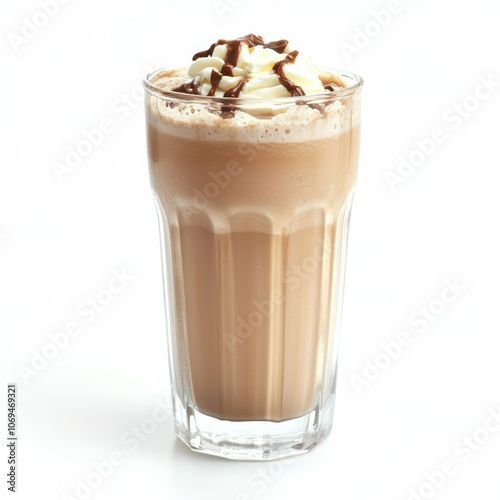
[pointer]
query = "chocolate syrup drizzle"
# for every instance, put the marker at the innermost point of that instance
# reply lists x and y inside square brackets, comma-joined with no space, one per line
[295,90]
[215,79]
[235,91]
[188,88]
[231,60]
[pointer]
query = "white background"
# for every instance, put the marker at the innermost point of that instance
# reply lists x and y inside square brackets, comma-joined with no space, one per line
[61,240]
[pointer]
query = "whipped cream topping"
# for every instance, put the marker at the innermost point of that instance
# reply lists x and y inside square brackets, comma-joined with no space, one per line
[250,67]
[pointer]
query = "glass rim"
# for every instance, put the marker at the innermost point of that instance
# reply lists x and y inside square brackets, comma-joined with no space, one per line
[352,89]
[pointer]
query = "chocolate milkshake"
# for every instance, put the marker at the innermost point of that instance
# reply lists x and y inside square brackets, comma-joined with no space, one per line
[253,162]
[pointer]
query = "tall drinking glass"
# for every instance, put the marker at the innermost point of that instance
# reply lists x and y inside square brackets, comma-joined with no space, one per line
[253,200]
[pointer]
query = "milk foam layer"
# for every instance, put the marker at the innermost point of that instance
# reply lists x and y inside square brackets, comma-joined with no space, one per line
[253,120]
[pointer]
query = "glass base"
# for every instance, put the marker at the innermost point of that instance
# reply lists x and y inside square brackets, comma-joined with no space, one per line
[253,440]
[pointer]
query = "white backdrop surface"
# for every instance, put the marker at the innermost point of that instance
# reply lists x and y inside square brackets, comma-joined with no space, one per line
[418,406]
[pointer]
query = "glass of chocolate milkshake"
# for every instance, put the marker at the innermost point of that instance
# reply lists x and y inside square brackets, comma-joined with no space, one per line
[253,159]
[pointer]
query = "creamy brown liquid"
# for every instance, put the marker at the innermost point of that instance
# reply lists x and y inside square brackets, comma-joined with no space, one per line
[255,262]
